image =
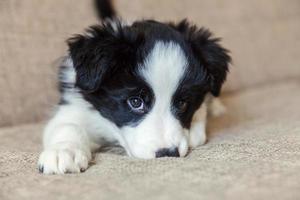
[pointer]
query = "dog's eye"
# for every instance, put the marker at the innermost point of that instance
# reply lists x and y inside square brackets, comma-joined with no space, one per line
[136,104]
[182,106]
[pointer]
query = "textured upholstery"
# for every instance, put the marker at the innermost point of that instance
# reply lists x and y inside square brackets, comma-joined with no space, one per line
[253,153]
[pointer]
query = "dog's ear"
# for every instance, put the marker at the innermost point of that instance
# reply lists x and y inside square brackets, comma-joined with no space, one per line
[209,52]
[100,52]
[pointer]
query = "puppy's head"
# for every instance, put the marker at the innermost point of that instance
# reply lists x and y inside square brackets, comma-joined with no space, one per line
[148,79]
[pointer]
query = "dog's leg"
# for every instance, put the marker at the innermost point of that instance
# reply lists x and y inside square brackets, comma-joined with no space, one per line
[67,148]
[198,127]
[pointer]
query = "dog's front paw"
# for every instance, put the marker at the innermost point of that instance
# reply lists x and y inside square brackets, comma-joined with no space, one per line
[197,135]
[63,160]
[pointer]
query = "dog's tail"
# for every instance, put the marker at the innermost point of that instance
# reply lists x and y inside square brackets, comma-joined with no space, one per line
[105,9]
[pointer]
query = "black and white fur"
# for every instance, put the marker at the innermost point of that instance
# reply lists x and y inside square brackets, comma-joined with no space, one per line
[143,85]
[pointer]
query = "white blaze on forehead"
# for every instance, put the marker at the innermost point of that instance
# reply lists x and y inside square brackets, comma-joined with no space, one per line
[163,69]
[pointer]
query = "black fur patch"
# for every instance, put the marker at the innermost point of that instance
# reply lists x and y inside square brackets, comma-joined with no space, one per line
[208,51]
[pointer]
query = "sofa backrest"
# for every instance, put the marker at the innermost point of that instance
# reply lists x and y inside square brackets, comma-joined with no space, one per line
[264,37]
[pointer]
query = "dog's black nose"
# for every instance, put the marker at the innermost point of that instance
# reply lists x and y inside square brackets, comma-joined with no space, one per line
[172,152]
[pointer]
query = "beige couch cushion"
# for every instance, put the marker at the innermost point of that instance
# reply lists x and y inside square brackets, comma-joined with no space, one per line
[263,37]
[253,153]
[31,39]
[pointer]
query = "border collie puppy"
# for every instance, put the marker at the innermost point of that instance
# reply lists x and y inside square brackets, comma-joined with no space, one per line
[141,85]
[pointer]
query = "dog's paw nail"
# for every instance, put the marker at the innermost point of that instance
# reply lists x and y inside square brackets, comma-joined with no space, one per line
[82,170]
[41,168]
